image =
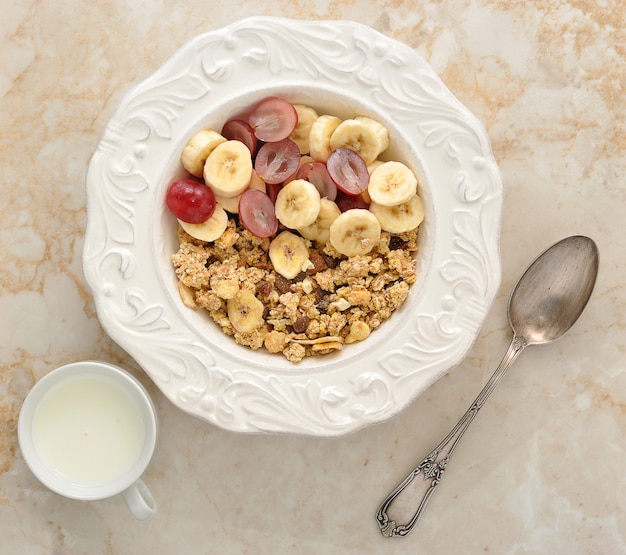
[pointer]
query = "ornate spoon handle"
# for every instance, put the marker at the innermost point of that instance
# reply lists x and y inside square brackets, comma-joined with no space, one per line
[399,512]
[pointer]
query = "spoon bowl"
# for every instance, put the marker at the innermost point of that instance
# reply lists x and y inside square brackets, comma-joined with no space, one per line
[552,293]
[545,303]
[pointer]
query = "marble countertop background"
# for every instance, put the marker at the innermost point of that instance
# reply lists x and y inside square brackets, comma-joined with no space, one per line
[541,470]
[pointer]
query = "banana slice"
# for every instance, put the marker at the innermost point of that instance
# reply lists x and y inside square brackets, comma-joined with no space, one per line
[198,149]
[232,204]
[187,295]
[306,119]
[228,169]
[370,169]
[356,231]
[375,164]
[378,128]
[288,253]
[229,204]
[245,311]
[366,137]
[319,137]
[400,218]
[297,204]
[209,230]
[319,230]
[392,183]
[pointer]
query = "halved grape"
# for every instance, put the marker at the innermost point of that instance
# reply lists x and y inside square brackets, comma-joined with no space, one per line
[277,160]
[347,202]
[256,213]
[348,171]
[317,174]
[273,119]
[240,130]
[190,201]
[272,190]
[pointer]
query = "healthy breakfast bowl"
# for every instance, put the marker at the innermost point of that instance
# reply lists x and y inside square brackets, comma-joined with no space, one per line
[338,68]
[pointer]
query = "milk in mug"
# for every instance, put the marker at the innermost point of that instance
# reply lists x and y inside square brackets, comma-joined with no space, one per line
[89,429]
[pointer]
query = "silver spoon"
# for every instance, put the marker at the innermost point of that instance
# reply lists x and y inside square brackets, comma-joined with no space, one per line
[545,303]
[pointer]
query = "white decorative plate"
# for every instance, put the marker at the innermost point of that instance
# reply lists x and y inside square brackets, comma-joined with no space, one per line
[345,69]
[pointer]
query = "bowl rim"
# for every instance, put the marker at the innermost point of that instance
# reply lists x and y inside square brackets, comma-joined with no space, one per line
[219,73]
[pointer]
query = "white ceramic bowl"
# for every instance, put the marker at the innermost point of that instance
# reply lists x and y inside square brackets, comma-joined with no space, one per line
[345,69]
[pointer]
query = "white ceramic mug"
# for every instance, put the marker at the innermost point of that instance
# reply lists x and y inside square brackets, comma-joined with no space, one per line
[87,431]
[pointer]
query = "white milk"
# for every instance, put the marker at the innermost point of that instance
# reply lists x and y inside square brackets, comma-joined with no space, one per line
[89,429]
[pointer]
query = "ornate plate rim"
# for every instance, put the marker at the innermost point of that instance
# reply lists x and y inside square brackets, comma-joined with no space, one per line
[127,240]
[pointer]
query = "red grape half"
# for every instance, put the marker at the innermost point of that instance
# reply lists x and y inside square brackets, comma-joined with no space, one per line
[317,174]
[239,130]
[273,119]
[256,213]
[275,162]
[348,171]
[190,201]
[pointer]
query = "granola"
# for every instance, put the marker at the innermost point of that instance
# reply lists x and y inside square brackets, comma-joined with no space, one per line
[336,301]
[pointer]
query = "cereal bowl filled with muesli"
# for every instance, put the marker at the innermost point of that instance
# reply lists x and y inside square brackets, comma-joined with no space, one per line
[293,227]
[295,235]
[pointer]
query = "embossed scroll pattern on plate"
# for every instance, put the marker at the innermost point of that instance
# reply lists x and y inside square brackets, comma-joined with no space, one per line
[128,278]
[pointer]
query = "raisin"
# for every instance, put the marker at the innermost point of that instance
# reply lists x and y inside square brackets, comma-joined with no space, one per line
[262,265]
[299,277]
[301,324]
[283,285]
[318,261]
[322,299]
[264,288]
[319,294]
[330,261]
[211,260]
[396,243]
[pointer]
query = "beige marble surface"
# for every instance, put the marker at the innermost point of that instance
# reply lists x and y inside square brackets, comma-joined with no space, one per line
[541,469]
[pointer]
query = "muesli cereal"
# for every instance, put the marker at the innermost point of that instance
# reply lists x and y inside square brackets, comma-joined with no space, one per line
[306,248]
[339,300]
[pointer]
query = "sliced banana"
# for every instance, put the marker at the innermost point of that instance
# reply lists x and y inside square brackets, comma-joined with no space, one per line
[209,230]
[378,128]
[319,340]
[354,232]
[229,204]
[297,204]
[288,253]
[400,218]
[198,149]
[375,164]
[392,183]
[319,230]
[327,346]
[228,169]
[187,295]
[306,119]
[366,137]
[232,204]
[245,311]
[319,137]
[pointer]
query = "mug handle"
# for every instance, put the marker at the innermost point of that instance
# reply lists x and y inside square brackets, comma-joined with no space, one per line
[139,500]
